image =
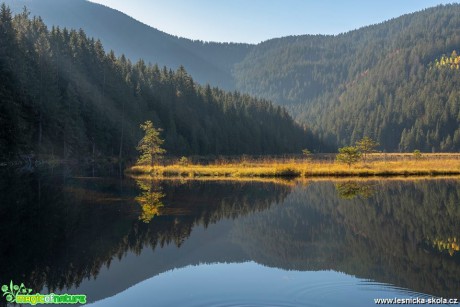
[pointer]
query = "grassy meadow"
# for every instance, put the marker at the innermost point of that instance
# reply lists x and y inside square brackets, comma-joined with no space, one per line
[316,166]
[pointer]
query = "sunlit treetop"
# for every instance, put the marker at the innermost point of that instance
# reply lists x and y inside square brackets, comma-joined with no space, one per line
[451,61]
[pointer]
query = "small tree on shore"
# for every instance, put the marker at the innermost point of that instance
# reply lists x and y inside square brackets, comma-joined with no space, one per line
[184,161]
[366,146]
[348,155]
[150,145]
[307,154]
[417,154]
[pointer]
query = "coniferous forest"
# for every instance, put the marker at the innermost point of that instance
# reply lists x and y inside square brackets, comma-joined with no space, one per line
[379,81]
[62,95]
[65,95]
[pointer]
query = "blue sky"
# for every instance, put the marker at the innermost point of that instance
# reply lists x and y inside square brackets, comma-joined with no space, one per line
[253,21]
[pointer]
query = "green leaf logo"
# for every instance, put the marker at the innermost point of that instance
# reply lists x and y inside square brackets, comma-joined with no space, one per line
[13,290]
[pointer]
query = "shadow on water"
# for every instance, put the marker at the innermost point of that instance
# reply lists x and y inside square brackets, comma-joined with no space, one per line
[59,230]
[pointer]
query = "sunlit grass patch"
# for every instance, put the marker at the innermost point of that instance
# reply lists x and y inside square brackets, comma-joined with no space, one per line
[377,165]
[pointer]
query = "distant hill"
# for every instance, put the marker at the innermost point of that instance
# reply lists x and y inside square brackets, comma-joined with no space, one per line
[206,62]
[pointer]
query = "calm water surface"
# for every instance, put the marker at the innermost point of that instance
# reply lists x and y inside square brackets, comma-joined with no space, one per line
[124,242]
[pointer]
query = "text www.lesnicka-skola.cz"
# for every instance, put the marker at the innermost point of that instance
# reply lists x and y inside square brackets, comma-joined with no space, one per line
[415,300]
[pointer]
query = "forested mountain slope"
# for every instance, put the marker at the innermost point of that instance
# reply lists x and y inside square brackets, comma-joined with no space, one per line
[207,62]
[376,81]
[62,95]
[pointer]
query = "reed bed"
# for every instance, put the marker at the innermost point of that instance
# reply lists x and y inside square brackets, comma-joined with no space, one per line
[376,165]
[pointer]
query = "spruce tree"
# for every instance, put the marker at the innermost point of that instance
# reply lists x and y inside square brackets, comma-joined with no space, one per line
[150,145]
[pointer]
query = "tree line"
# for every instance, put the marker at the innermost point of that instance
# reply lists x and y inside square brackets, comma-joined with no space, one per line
[62,95]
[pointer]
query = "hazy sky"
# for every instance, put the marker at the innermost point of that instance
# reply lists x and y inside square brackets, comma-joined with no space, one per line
[253,21]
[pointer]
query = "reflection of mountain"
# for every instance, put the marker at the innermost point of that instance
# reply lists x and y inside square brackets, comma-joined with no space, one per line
[59,231]
[379,238]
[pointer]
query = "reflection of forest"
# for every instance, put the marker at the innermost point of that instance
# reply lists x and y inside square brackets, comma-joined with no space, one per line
[450,246]
[381,237]
[57,231]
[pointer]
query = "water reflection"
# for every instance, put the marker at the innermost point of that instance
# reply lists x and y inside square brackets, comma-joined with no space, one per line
[59,231]
[149,199]
[449,245]
[353,189]
[378,238]
[251,284]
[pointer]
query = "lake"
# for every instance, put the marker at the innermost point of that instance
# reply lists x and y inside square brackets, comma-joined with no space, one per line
[126,242]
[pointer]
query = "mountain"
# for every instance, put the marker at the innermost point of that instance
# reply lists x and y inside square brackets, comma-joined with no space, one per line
[207,62]
[378,81]
[63,96]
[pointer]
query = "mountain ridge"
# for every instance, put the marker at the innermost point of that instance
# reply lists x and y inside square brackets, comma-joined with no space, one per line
[126,35]
[323,80]
[367,82]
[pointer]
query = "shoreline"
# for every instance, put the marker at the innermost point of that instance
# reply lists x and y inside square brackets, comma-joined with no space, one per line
[291,169]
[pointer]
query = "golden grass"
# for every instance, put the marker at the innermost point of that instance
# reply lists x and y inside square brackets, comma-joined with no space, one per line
[380,165]
[182,179]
